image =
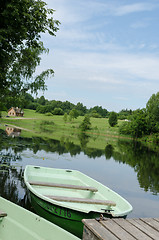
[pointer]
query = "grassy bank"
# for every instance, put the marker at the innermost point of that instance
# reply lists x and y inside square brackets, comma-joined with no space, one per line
[54,127]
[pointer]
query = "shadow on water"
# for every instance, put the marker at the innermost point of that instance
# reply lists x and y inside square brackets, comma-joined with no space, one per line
[142,159]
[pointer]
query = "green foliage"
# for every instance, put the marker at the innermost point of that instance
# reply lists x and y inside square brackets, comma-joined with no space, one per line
[109,151]
[156,138]
[49,114]
[41,109]
[113,119]
[73,114]
[65,117]
[86,124]
[143,160]
[138,124]
[152,109]
[84,139]
[144,121]
[21,24]
[124,114]
[41,100]
[102,112]
[95,114]
[58,111]
[82,110]
[125,128]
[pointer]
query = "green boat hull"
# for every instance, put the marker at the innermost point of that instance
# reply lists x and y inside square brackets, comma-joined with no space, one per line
[18,223]
[66,197]
[65,218]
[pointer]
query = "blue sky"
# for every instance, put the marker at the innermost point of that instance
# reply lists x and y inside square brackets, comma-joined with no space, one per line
[106,53]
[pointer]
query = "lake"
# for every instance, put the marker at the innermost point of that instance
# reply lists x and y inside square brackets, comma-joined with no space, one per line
[128,168]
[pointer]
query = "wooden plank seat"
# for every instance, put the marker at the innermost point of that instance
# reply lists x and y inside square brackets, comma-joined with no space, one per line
[3,214]
[82,200]
[47,184]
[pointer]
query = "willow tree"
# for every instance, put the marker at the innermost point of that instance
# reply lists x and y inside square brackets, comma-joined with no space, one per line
[21,25]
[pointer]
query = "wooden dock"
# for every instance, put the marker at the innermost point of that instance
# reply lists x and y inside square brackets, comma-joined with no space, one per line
[121,229]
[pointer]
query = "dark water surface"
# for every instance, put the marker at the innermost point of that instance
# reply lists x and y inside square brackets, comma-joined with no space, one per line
[129,168]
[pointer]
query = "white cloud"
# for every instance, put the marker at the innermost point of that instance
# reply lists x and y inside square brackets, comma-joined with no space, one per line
[132,8]
[116,69]
[140,24]
[96,60]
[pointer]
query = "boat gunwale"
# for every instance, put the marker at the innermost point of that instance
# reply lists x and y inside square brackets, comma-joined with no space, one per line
[12,219]
[62,204]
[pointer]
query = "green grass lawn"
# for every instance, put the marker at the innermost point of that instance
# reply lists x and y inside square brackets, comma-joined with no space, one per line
[55,127]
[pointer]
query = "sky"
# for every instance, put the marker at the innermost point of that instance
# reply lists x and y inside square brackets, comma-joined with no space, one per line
[106,53]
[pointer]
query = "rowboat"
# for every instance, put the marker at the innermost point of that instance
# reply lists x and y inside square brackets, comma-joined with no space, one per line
[65,197]
[19,223]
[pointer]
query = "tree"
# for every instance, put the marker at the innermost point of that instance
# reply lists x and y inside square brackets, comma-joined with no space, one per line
[124,114]
[100,111]
[73,114]
[58,111]
[152,109]
[81,109]
[65,117]
[86,124]
[22,22]
[95,114]
[41,100]
[138,124]
[113,119]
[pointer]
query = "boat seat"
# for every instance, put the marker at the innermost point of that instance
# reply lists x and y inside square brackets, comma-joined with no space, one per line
[3,214]
[82,200]
[37,183]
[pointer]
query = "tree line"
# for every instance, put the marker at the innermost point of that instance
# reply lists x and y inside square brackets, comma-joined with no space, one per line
[137,124]
[21,27]
[144,121]
[42,105]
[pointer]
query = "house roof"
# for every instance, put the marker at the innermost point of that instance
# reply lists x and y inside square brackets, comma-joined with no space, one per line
[17,110]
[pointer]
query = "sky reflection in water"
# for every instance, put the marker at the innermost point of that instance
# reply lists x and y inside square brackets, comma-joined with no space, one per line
[124,172]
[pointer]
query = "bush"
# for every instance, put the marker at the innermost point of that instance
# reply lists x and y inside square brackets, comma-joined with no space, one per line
[86,124]
[49,114]
[95,115]
[125,128]
[58,111]
[156,138]
[113,119]
[65,117]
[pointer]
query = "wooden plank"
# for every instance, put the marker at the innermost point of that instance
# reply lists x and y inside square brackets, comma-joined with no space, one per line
[82,200]
[145,228]
[88,234]
[46,184]
[99,231]
[151,222]
[3,214]
[156,219]
[119,232]
[131,229]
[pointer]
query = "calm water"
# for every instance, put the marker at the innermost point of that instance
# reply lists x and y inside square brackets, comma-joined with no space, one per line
[129,169]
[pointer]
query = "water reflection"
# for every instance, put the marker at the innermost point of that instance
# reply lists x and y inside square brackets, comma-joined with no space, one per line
[13,132]
[143,160]
[12,185]
[109,151]
[84,139]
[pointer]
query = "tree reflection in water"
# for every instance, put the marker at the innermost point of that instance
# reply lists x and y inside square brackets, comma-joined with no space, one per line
[11,175]
[142,159]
